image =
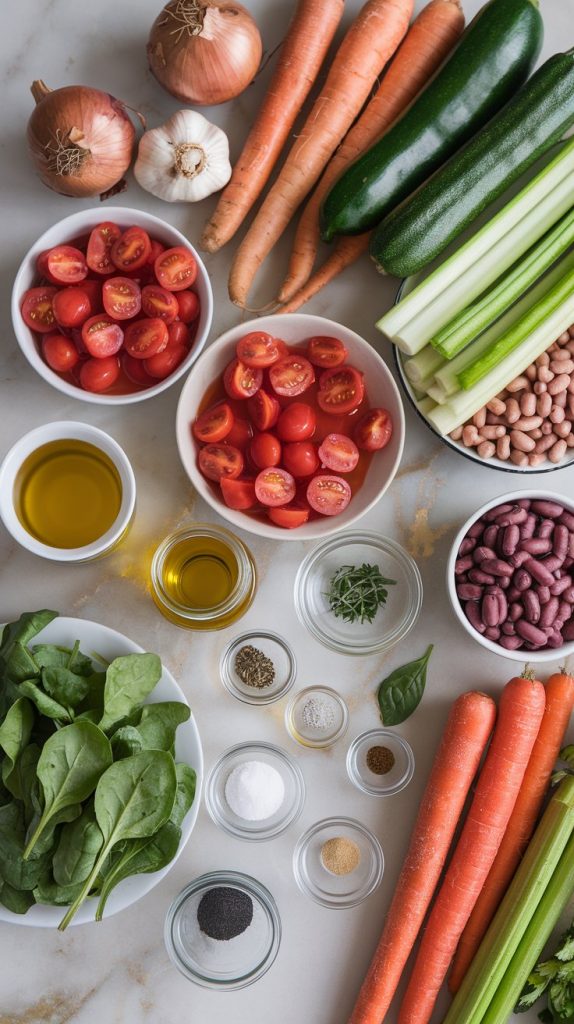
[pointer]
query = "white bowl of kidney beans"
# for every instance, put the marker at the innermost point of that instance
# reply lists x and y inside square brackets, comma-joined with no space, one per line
[111,306]
[510,576]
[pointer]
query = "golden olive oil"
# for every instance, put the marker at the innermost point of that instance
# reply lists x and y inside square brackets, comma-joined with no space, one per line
[200,572]
[68,493]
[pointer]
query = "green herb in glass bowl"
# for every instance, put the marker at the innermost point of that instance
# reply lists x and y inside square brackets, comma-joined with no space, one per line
[356,592]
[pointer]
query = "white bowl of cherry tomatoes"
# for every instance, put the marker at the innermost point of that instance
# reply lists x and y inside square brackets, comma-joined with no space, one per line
[290,425]
[112,308]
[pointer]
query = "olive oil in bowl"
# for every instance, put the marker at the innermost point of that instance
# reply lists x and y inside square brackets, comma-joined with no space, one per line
[67,493]
[203,577]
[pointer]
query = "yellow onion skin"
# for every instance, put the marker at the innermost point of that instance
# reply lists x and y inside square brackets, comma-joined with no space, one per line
[211,64]
[104,136]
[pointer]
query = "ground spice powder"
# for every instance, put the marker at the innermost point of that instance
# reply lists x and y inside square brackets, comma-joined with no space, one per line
[340,855]
[380,760]
[224,912]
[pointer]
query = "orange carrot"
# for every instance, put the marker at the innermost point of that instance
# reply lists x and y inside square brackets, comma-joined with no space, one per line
[464,739]
[430,38]
[366,48]
[559,704]
[346,251]
[520,713]
[305,47]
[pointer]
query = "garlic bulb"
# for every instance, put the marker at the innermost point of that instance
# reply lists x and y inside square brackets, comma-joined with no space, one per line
[184,160]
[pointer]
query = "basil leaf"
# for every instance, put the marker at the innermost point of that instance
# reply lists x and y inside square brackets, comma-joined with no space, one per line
[400,693]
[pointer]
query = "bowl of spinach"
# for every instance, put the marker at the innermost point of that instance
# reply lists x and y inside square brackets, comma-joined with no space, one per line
[100,771]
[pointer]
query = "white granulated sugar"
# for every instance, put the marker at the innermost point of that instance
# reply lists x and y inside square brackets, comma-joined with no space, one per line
[254,790]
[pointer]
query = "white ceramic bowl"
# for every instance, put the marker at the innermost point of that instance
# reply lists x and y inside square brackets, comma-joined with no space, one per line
[64,232]
[66,430]
[521,655]
[109,644]
[382,391]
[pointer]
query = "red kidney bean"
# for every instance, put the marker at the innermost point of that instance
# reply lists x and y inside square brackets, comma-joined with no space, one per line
[512,518]
[536,546]
[555,639]
[560,586]
[489,610]
[511,643]
[516,611]
[543,594]
[493,633]
[531,606]
[502,608]
[522,580]
[482,552]
[560,540]
[476,529]
[539,572]
[489,536]
[519,558]
[463,564]
[504,582]
[511,538]
[467,545]
[548,509]
[513,593]
[472,612]
[508,629]
[568,631]
[567,519]
[564,610]
[469,592]
[545,528]
[497,567]
[570,545]
[568,595]
[528,631]
[552,563]
[548,613]
[524,503]
[528,526]
[498,510]
[478,576]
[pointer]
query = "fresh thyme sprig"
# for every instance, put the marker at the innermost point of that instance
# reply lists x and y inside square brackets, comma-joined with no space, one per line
[356,592]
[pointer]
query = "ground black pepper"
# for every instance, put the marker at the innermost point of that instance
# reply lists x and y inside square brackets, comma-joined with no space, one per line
[224,912]
[380,760]
[254,668]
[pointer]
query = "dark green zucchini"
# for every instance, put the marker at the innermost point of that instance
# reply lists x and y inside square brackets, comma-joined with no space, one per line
[492,60]
[424,224]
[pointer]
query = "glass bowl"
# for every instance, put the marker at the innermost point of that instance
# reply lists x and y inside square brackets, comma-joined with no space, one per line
[223,964]
[393,780]
[324,886]
[266,828]
[323,735]
[273,647]
[391,623]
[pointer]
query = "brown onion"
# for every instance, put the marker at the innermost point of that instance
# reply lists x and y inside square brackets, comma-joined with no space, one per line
[80,139]
[204,51]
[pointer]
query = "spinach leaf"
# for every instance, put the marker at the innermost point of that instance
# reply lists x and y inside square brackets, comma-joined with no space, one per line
[20,664]
[17,872]
[65,686]
[134,798]
[22,782]
[92,716]
[126,741]
[400,693]
[45,704]
[185,792]
[14,736]
[129,680]
[94,698]
[48,891]
[24,629]
[69,767]
[18,901]
[78,846]
[158,723]
[47,841]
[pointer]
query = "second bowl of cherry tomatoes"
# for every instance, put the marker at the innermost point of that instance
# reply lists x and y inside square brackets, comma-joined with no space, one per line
[290,425]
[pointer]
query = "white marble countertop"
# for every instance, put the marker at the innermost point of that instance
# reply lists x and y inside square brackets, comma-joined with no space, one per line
[118,971]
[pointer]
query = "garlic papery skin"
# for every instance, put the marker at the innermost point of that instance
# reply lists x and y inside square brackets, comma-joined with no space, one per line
[184,160]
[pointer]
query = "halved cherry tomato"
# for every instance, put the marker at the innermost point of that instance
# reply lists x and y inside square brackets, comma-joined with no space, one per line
[258,349]
[213,424]
[263,409]
[326,352]
[300,458]
[292,375]
[59,352]
[132,249]
[122,297]
[274,487]
[102,337]
[240,434]
[43,268]
[178,333]
[71,306]
[328,495]
[145,338]
[241,381]
[289,516]
[158,302]
[66,264]
[220,461]
[340,390]
[238,494]
[265,451]
[338,452]
[374,430]
[135,370]
[176,269]
[156,250]
[164,363]
[100,242]
[297,422]
[99,374]
[93,290]
[37,309]
[189,306]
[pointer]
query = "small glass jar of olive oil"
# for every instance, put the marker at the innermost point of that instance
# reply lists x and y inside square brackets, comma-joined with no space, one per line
[203,577]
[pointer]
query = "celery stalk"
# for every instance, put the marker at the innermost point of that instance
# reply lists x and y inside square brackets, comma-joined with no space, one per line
[476,317]
[422,365]
[533,877]
[480,261]
[510,340]
[553,902]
